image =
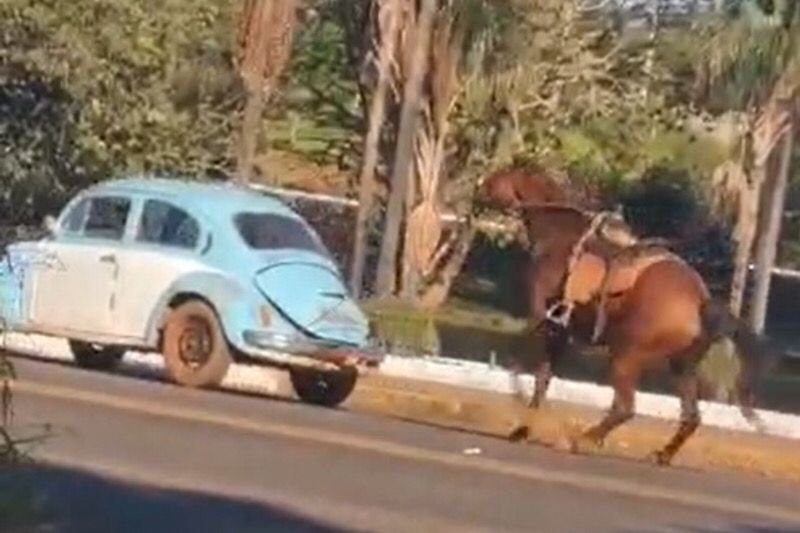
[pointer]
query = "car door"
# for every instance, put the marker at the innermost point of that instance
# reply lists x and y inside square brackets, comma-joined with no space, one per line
[165,246]
[73,292]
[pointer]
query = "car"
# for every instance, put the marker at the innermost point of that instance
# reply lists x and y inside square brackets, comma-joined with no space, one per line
[204,273]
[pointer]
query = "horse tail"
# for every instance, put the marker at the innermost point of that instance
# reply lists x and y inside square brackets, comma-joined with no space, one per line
[719,322]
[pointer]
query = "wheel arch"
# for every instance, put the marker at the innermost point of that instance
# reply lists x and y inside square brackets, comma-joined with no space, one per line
[223,296]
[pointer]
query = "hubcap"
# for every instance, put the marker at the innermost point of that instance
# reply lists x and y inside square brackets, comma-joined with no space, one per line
[194,344]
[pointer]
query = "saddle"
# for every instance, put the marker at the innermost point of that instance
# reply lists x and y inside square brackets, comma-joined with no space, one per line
[606,279]
[594,275]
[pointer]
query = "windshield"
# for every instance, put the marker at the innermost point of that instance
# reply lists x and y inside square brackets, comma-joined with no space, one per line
[268,231]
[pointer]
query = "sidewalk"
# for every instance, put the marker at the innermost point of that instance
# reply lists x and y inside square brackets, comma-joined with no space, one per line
[499,415]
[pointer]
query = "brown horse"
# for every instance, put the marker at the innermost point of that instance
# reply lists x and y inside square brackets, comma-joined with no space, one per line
[511,188]
[656,307]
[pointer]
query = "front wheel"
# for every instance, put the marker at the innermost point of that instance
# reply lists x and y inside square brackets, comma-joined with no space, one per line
[195,350]
[95,356]
[324,388]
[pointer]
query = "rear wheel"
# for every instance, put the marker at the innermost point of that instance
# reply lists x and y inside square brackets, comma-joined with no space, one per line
[324,388]
[195,350]
[95,356]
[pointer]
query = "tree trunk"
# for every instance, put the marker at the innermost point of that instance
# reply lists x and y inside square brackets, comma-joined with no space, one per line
[749,186]
[437,292]
[409,279]
[248,137]
[747,223]
[386,279]
[768,243]
[377,114]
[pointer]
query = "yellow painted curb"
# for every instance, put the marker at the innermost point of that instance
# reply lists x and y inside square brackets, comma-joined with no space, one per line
[502,416]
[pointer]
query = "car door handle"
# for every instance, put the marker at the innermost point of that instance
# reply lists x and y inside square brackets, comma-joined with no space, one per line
[335,295]
[108,258]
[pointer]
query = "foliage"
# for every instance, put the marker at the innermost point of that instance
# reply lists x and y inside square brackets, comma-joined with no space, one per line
[322,78]
[102,87]
[750,61]
[39,158]
[577,94]
[8,448]
[748,54]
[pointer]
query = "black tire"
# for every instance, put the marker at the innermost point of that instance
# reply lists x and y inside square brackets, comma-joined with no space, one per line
[323,388]
[95,356]
[195,350]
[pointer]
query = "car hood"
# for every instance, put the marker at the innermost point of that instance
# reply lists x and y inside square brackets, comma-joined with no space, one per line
[308,290]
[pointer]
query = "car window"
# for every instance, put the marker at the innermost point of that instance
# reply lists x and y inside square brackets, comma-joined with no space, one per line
[163,223]
[107,217]
[268,231]
[73,222]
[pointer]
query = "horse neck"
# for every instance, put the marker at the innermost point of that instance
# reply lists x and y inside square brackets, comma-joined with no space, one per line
[556,226]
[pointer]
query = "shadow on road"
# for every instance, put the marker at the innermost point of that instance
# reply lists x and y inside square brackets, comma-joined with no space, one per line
[738,528]
[73,501]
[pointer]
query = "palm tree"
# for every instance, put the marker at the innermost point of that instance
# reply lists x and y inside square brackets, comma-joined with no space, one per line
[389,21]
[264,44]
[752,64]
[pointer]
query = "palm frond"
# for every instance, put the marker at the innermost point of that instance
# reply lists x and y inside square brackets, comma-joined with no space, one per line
[748,56]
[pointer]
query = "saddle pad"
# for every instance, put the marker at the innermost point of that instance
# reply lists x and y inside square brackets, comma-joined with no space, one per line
[587,278]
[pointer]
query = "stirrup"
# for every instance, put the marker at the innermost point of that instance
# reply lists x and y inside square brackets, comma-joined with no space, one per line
[560,313]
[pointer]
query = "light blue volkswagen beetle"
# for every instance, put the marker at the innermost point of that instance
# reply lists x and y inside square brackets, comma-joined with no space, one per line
[204,273]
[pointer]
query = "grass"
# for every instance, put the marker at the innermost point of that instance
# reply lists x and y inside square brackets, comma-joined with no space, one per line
[456,313]
[19,508]
[318,143]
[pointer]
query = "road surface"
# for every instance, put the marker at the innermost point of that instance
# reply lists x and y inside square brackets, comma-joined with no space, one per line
[129,454]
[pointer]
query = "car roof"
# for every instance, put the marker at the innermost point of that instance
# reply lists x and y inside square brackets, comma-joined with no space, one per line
[211,197]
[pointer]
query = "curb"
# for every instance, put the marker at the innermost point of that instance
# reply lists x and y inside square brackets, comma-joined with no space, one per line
[463,374]
[553,426]
[484,377]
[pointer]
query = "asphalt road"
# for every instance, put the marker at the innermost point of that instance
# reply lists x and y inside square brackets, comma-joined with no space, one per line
[128,454]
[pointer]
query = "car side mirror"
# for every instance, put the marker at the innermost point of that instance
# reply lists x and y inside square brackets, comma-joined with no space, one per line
[49,225]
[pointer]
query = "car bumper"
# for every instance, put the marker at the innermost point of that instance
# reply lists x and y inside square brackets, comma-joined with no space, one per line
[267,344]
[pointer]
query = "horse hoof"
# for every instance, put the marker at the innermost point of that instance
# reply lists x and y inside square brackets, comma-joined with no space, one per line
[563,444]
[660,458]
[519,433]
[583,444]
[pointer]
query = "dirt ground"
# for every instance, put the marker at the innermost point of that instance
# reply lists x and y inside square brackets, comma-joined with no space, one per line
[501,416]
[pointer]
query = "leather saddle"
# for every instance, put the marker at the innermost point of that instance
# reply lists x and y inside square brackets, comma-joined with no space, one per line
[607,279]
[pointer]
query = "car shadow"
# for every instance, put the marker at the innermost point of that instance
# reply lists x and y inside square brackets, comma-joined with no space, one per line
[66,501]
[130,370]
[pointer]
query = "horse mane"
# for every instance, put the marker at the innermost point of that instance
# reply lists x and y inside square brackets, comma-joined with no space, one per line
[559,223]
[556,208]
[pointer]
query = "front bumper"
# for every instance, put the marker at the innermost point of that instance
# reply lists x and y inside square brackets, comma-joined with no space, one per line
[274,346]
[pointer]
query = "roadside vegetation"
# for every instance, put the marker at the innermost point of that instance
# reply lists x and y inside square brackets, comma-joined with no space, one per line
[18,506]
[676,110]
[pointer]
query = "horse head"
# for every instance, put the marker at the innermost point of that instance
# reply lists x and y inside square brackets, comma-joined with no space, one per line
[511,189]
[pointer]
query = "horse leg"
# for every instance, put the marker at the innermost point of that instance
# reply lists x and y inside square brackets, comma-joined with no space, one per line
[553,337]
[555,342]
[688,388]
[626,370]
[684,368]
